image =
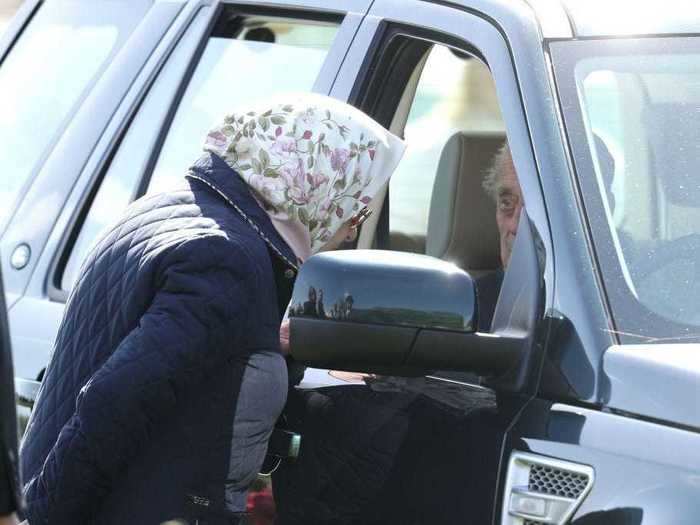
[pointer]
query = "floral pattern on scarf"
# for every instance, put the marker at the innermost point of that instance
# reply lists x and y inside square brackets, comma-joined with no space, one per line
[311,160]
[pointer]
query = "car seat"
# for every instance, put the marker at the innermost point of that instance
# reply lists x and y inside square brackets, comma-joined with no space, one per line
[462,218]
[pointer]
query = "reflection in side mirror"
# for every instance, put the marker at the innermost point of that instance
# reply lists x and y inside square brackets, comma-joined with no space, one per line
[392,313]
[385,288]
[26,391]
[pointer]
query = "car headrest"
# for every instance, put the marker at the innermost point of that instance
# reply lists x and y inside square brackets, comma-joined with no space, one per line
[462,219]
[674,134]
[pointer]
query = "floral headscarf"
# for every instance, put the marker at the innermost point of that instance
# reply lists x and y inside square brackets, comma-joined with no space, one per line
[312,162]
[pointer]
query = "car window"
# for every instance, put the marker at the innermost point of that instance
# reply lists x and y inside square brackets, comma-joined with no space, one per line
[638,103]
[265,57]
[454,94]
[69,43]
[236,53]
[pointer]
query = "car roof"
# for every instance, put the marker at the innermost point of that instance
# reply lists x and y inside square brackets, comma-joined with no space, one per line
[633,17]
[562,19]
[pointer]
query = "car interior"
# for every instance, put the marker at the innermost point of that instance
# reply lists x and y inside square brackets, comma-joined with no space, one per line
[461,217]
[648,192]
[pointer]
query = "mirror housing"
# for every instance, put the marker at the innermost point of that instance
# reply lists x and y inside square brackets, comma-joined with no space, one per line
[391,313]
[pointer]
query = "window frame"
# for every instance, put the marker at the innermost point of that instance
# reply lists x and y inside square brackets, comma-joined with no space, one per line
[469,31]
[399,48]
[72,230]
[373,93]
[489,36]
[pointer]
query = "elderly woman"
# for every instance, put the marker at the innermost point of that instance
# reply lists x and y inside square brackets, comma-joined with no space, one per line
[167,376]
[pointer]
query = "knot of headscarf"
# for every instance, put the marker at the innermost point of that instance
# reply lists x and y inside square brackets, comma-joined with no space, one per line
[311,161]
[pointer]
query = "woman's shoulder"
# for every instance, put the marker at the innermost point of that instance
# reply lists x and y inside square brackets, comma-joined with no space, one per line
[218,252]
[211,247]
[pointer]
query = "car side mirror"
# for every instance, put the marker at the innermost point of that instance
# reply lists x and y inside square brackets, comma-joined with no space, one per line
[391,313]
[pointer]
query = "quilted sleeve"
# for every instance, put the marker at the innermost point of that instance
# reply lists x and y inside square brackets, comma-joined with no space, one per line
[198,314]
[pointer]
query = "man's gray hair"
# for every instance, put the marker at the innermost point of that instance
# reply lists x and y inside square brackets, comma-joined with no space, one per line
[492,178]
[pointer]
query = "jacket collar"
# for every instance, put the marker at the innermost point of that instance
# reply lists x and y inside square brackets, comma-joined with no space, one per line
[213,171]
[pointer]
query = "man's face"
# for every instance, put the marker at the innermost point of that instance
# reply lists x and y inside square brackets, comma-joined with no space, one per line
[508,206]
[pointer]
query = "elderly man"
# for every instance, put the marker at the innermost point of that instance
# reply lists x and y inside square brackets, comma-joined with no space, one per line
[501,184]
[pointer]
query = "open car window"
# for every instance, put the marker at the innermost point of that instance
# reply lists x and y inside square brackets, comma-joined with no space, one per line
[437,204]
[455,94]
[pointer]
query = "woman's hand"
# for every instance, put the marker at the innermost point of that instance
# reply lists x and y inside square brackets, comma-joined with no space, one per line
[284,337]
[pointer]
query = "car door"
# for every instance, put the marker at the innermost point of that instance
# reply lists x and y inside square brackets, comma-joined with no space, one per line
[215,56]
[52,131]
[429,449]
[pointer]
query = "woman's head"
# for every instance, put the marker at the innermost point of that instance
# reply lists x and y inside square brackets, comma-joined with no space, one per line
[312,162]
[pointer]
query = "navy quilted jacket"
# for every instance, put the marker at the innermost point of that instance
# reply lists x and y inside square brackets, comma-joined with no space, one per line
[134,420]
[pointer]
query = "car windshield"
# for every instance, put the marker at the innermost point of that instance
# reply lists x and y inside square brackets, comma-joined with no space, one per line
[632,111]
[45,76]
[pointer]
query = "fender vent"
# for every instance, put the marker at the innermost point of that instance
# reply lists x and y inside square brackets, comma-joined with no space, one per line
[543,491]
[557,482]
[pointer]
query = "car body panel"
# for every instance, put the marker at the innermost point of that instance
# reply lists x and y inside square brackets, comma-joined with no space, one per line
[632,370]
[553,19]
[346,6]
[645,473]
[486,35]
[55,176]
[629,17]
